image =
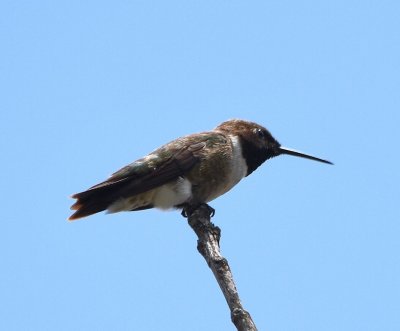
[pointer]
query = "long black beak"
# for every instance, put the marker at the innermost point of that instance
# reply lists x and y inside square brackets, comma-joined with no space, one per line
[288,151]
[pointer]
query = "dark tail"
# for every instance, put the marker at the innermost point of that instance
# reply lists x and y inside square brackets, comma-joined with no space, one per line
[94,200]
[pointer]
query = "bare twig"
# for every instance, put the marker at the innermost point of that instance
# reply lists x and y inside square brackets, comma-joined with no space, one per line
[208,246]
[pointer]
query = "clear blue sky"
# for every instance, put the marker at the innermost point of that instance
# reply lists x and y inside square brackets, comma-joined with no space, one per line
[87,87]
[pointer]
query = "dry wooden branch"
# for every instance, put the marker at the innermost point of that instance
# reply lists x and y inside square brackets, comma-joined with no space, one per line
[208,245]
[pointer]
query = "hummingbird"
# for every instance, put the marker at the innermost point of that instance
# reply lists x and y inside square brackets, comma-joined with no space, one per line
[187,172]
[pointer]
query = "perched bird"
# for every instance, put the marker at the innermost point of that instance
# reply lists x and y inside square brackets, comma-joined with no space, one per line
[186,172]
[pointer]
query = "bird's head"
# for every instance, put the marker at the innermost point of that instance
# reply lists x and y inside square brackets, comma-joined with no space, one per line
[258,144]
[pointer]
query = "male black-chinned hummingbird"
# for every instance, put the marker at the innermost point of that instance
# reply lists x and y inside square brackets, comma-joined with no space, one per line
[186,172]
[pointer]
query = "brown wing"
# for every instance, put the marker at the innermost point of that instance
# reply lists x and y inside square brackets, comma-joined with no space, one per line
[133,179]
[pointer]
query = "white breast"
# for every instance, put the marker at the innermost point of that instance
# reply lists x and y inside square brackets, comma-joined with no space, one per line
[239,165]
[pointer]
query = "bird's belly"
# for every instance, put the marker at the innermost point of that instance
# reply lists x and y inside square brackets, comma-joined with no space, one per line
[172,194]
[219,189]
[163,197]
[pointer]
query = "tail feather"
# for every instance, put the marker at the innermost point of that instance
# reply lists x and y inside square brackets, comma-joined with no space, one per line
[88,209]
[93,200]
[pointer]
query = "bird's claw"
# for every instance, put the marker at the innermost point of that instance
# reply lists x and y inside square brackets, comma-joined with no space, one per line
[211,210]
[188,210]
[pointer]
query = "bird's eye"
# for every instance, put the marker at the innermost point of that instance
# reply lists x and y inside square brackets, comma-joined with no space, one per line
[260,133]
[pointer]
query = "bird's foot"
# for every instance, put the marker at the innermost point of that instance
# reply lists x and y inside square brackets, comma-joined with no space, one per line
[189,209]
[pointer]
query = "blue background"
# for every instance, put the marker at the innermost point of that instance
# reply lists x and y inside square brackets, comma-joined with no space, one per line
[87,87]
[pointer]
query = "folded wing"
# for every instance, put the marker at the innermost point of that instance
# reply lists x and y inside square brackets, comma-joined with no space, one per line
[136,178]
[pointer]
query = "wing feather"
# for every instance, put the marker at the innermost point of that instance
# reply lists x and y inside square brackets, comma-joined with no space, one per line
[133,179]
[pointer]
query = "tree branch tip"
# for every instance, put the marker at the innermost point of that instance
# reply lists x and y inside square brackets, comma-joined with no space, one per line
[209,235]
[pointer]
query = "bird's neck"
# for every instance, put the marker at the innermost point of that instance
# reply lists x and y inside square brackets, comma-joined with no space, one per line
[253,155]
